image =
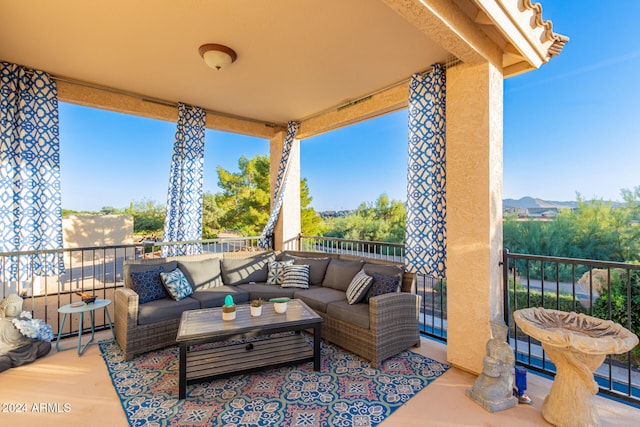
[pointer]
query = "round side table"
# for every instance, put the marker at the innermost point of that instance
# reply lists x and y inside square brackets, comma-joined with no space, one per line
[81,309]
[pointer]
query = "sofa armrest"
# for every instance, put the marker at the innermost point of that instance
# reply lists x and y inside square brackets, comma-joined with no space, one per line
[126,308]
[394,310]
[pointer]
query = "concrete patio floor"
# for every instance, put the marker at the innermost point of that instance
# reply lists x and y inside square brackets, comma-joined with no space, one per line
[73,390]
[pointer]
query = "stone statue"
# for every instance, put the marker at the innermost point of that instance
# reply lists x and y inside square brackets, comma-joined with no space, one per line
[493,389]
[17,349]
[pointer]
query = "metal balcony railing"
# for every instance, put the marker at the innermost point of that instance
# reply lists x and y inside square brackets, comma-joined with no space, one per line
[433,313]
[96,270]
[607,290]
[603,289]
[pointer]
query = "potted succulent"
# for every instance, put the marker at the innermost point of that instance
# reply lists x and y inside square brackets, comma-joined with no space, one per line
[229,308]
[280,304]
[256,307]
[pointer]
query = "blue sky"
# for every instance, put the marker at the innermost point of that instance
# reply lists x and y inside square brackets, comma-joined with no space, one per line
[571,126]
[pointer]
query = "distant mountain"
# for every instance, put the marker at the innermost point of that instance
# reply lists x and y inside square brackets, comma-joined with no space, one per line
[531,203]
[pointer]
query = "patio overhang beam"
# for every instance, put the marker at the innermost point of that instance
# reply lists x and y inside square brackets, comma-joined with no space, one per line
[113,100]
[367,107]
[445,23]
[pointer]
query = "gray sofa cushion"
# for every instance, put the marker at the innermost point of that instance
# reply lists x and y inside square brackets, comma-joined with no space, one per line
[214,297]
[245,270]
[202,274]
[357,314]
[340,273]
[317,298]
[388,270]
[145,265]
[266,292]
[164,309]
[317,266]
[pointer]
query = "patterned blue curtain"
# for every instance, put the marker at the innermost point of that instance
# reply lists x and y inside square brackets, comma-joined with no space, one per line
[183,221]
[30,198]
[266,238]
[426,243]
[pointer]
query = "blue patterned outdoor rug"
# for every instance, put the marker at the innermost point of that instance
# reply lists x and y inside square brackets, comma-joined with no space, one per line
[347,391]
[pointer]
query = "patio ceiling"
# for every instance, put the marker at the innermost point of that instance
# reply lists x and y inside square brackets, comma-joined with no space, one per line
[295,58]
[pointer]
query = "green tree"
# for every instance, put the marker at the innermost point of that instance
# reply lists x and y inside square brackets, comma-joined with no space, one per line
[311,222]
[148,217]
[244,203]
[110,210]
[244,200]
[210,216]
[381,221]
[615,307]
[595,230]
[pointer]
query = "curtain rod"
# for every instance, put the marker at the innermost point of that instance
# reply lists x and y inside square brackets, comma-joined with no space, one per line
[156,100]
[450,62]
[348,104]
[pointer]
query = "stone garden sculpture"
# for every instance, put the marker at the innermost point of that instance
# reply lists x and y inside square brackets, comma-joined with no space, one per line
[22,339]
[493,389]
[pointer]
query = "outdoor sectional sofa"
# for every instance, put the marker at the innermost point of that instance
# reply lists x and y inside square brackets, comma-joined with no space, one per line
[375,329]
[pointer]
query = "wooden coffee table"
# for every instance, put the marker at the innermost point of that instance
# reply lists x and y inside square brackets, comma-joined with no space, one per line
[198,363]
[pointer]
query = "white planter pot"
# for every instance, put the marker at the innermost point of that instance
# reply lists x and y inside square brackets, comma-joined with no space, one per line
[256,311]
[228,316]
[280,307]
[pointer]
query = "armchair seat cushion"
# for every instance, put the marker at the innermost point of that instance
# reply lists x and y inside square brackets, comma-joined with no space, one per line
[317,298]
[164,309]
[352,313]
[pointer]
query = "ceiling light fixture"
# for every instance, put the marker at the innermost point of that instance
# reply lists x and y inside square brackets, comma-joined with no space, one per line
[216,55]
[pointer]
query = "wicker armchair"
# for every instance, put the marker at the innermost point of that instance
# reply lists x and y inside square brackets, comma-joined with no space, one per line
[394,326]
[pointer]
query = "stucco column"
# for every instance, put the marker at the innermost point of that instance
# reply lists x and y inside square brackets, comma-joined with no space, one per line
[474,210]
[285,235]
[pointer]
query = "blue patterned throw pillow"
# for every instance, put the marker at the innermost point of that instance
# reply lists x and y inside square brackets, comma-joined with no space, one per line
[147,285]
[276,272]
[383,284]
[296,276]
[176,284]
[358,287]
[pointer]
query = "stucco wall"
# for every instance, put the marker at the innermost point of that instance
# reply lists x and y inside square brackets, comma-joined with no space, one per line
[97,230]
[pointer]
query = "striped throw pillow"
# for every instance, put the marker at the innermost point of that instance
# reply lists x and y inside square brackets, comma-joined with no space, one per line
[358,287]
[296,276]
